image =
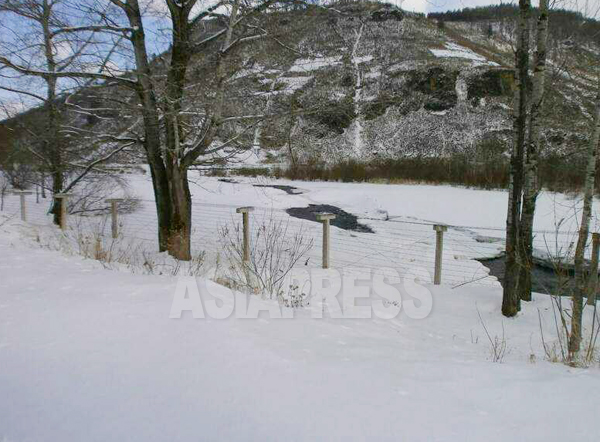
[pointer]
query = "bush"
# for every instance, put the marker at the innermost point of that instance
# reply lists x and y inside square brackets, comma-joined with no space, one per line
[276,248]
[252,171]
[487,168]
[457,170]
[337,116]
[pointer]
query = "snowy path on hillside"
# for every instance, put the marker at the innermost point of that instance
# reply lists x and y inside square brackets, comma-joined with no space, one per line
[357,126]
[89,354]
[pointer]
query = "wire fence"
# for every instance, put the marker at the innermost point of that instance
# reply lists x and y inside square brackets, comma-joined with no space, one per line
[402,245]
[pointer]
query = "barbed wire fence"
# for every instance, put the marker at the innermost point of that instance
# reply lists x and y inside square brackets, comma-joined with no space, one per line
[395,243]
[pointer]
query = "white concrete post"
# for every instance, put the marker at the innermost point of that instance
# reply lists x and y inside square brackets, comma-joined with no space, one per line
[22,194]
[593,287]
[439,248]
[325,218]
[61,198]
[246,225]
[114,213]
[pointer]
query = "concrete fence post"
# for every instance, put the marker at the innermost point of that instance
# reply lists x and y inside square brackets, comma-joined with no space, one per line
[439,249]
[593,282]
[22,194]
[114,214]
[325,219]
[61,198]
[245,211]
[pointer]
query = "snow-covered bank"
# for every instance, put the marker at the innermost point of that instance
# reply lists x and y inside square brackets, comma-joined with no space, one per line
[89,354]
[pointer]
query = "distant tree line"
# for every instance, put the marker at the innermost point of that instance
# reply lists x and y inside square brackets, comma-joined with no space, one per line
[564,24]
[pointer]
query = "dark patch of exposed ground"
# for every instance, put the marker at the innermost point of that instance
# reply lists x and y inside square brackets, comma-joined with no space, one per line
[544,277]
[343,219]
[290,190]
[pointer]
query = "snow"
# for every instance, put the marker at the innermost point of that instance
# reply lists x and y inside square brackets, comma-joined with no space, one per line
[91,354]
[254,70]
[400,215]
[357,126]
[362,59]
[293,84]
[408,65]
[454,50]
[376,73]
[462,90]
[313,64]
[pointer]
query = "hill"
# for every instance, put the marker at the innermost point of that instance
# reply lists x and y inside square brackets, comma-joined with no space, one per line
[368,82]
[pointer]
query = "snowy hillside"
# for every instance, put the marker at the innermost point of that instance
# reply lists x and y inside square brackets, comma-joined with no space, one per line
[368,81]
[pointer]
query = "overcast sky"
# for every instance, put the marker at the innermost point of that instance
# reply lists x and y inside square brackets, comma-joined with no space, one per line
[440,5]
[444,5]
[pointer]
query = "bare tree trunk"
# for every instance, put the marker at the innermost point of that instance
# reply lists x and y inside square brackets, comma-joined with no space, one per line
[43,183]
[152,143]
[510,298]
[292,126]
[177,160]
[169,166]
[586,214]
[179,243]
[181,224]
[52,142]
[531,186]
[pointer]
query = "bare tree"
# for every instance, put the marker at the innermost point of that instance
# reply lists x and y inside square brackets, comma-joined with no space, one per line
[4,185]
[531,186]
[174,137]
[55,47]
[581,282]
[510,300]
[181,98]
[164,122]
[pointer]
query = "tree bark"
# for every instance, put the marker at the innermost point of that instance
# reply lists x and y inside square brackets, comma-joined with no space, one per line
[531,186]
[150,115]
[179,242]
[510,298]
[169,163]
[52,142]
[584,229]
[181,224]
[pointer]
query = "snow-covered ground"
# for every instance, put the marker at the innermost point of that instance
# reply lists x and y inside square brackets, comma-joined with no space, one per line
[454,50]
[401,217]
[91,354]
[88,353]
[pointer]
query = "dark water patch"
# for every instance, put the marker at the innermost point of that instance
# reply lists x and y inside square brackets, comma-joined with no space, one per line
[343,219]
[290,190]
[544,278]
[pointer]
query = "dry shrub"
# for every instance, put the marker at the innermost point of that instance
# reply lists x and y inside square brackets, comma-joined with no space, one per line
[275,249]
